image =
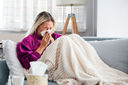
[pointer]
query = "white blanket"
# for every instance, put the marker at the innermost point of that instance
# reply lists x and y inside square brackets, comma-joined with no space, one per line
[73,61]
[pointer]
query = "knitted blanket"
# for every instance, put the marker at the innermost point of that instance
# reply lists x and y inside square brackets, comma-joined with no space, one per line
[73,61]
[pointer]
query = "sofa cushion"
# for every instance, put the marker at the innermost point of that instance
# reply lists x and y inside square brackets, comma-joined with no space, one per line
[113,52]
[4,72]
[9,49]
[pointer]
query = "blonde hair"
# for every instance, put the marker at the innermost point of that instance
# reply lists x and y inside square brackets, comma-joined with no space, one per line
[40,19]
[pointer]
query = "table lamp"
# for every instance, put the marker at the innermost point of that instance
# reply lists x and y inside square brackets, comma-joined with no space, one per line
[71,15]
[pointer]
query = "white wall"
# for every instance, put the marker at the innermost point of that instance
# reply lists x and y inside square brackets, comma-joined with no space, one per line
[112,19]
[11,36]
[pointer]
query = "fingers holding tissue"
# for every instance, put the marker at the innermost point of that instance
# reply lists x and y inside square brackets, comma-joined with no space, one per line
[49,31]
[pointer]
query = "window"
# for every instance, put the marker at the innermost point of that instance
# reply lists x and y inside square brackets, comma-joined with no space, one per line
[18,15]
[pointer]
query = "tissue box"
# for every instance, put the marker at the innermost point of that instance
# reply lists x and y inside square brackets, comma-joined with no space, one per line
[38,68]
[37,80]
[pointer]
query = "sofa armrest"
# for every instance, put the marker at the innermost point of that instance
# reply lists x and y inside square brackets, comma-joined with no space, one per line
[4,72]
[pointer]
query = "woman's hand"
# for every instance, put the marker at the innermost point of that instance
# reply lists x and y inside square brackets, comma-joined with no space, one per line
[44,42]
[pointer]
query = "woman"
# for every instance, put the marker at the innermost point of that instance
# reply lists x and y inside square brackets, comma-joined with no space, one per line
[32,47]
[70,59]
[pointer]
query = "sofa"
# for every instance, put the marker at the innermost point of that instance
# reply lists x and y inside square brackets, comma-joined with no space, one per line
[113,51]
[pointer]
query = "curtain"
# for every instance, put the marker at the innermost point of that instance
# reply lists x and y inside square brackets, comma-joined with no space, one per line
[18,15]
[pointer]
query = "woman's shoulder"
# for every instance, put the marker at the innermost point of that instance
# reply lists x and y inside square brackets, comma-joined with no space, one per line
[29,37]
[27,40]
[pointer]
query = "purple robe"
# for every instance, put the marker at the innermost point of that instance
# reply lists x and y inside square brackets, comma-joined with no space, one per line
[26,49]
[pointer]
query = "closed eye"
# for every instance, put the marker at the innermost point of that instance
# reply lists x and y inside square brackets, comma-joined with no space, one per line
[47,28]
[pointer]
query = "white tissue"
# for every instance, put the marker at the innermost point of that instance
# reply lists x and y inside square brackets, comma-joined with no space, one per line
[43,32]
[38,68]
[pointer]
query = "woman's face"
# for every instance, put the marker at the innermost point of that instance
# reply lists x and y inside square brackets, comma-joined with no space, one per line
[48,25]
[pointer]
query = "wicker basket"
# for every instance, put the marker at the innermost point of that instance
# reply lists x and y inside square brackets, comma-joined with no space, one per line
[37,80]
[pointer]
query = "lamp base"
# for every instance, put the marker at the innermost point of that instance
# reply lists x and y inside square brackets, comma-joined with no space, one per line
[74,24]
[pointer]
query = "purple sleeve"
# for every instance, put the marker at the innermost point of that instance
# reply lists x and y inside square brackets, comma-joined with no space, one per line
[56,35]
[25,53]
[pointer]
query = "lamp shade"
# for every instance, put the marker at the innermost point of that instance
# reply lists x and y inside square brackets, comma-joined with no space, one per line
[71,2]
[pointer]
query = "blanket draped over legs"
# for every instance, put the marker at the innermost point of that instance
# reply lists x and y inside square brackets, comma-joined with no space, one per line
[73,61]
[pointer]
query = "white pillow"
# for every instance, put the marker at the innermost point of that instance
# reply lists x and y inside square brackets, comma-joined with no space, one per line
[9,50]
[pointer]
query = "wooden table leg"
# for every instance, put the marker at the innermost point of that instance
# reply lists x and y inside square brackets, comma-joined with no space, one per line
[74,25]
[76,29]
[65,26]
